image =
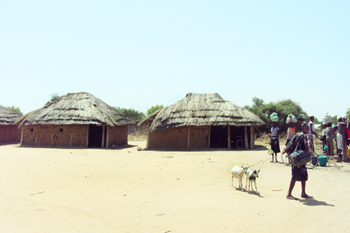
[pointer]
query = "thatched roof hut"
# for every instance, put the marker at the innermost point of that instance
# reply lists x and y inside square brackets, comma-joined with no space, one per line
[7,117]
[77,109]
[214,122]
[82,116]
[8,131]
[202,110]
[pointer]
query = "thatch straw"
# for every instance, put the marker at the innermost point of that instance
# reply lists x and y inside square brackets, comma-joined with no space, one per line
[203,110]
[76,109]
[7,117]
[149,119]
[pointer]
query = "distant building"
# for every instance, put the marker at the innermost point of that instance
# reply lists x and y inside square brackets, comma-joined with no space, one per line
[9,133]
[201,121]
[75,120]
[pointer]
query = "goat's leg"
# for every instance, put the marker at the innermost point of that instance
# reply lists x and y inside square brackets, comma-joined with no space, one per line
[256,189]
[232,181]
[240,183]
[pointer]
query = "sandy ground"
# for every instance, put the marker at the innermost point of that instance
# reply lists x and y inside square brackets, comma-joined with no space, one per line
[124,190]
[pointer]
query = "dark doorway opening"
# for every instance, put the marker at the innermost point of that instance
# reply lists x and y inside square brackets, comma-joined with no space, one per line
[237,137]
[105,141]
[218,137]
[95,136]
[249,137]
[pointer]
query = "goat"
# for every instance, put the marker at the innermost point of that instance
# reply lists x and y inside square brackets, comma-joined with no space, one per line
[238,172]
[251,175]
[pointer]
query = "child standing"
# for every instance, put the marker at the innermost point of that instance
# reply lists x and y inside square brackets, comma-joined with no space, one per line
[274,142]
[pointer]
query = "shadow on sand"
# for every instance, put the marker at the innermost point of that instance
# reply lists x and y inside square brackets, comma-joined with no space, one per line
[257,148]
[314,202]
[77,148]
[250,192]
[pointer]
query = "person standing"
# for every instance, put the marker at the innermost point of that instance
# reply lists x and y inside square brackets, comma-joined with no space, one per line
[274,142]
[299,142]
[330,136]
[324,141]
[348,133]
[311,133]
[341,129]
[345,139]
[290,132]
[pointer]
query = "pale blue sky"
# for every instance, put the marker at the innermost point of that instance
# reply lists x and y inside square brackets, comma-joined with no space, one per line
[135,54]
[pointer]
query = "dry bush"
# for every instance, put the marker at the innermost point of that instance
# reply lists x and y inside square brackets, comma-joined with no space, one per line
[139,135]
[263,139]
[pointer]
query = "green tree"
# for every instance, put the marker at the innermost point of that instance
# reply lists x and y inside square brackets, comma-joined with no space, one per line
[15,109]
[153,109]
[257,102]
[316,121]
[131,113]
[335,119]
[348,114]
[54,96]
[283,108]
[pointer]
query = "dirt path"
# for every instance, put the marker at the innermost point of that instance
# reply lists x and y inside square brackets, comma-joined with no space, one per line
[124,190]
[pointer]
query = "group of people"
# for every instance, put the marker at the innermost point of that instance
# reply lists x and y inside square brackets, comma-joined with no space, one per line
[341,135]
[305,141]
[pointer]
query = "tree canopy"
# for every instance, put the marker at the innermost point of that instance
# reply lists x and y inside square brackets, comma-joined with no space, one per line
[53,97]
[131,113]
[283,108]
[152,109]
[15,109]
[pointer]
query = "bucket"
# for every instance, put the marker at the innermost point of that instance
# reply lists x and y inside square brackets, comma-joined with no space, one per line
[314,160]
[322,160]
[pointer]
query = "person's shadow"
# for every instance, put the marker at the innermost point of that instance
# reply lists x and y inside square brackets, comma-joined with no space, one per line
[314,202]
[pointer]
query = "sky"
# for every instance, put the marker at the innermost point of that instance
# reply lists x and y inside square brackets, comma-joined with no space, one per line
[137,54]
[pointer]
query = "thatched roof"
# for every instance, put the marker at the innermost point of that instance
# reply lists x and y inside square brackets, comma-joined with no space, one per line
[76,109]
[149,119]
[203,110]
[7,117]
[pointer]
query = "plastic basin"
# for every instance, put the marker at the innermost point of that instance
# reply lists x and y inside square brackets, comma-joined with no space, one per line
[322,160]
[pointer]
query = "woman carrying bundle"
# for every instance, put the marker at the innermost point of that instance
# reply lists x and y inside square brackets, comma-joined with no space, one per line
[299,142]
[274,142]
[290,132]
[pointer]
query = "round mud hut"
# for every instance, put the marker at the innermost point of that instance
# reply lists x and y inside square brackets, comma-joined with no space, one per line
[9,133]
[75,120]
[201,121]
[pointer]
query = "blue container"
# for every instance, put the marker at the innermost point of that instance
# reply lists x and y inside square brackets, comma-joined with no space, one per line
[314,160]
[322,160]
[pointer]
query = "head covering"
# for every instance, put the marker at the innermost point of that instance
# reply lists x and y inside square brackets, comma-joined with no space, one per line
[304,124]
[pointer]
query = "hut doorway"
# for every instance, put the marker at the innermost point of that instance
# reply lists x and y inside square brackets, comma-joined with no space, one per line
[237,137]
[95,136]
[218,137]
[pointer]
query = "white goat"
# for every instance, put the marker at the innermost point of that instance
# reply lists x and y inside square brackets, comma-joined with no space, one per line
[251,175]
[238,172]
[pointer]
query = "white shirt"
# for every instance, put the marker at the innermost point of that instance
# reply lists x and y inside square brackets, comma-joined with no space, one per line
[311,126]
[274,131]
